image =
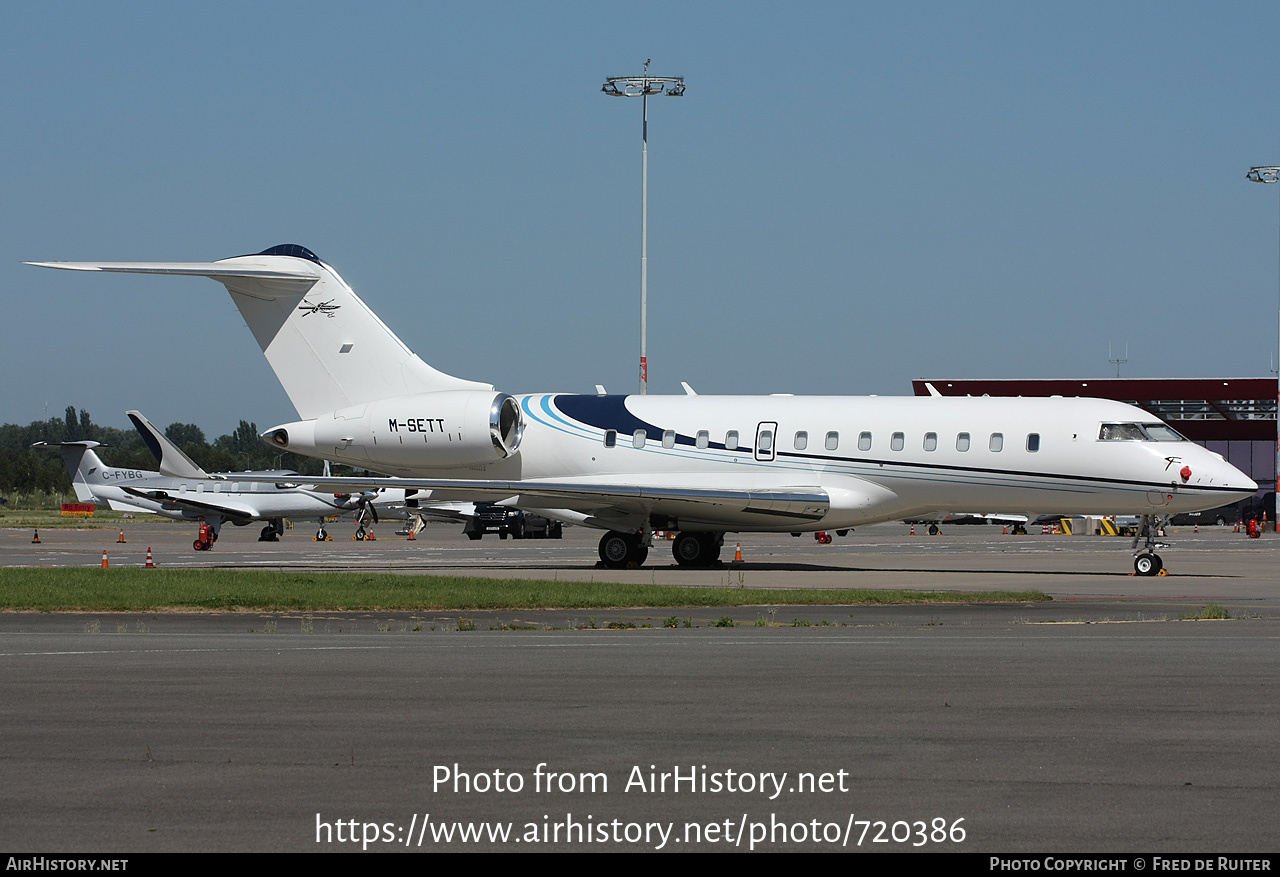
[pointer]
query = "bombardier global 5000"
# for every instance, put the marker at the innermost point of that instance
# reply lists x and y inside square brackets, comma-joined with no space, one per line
[699,465]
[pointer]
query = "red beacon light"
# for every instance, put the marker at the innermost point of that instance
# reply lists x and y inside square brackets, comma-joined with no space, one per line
[1185,473]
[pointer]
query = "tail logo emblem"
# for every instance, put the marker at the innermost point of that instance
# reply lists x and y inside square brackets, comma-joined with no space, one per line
[325,307]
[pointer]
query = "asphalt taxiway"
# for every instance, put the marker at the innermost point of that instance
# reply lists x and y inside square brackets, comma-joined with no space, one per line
[1098,722]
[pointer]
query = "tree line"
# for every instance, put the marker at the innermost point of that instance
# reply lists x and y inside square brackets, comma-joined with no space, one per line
[26,469]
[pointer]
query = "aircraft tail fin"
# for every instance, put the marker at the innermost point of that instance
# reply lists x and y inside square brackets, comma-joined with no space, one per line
[328,349]
[83,465]
[173,462]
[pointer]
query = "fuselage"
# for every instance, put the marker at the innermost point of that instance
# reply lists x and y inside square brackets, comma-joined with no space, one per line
[878,458]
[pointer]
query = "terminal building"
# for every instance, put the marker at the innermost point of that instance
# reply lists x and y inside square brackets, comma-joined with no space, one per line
[1235,417]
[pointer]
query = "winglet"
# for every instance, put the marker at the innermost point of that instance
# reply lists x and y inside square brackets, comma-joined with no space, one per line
[173,462]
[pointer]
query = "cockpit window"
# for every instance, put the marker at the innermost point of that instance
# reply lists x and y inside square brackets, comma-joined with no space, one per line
[1121,432]
[1133,432]
[1161,432]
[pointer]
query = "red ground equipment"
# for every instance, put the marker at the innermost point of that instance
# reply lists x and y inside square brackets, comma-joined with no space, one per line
[1254,532]
[205,542]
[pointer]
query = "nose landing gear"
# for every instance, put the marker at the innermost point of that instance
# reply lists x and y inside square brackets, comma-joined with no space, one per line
[1145,560]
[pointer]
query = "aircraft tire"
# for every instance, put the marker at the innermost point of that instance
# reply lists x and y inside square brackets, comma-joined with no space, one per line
[696,549]
[620,550]
[1148,564]
[688,549]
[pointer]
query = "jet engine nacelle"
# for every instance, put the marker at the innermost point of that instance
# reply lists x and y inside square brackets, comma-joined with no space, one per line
[428,430]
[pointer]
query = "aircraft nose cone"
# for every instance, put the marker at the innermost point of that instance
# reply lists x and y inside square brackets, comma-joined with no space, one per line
[1239,481]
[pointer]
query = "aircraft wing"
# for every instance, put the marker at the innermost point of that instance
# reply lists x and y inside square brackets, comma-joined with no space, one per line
[619,506]
[233,511]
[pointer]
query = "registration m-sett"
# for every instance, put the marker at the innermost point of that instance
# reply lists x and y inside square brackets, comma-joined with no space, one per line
[699,465]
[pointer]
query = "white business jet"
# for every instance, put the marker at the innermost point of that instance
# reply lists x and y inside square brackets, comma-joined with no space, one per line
[700,465]
[184,491]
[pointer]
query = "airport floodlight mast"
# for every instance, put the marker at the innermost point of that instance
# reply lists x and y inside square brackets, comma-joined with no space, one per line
[1118,360]
[642,87]
[1272,175]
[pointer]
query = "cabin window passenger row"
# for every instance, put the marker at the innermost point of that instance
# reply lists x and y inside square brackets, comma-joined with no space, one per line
[1108,432]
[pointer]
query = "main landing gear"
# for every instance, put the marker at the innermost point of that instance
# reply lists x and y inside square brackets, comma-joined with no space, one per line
[627,550]
[623,550]
[272,531]
[1145,560]
[697,549]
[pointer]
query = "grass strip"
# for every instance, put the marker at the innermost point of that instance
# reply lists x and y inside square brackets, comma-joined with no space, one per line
[87,589]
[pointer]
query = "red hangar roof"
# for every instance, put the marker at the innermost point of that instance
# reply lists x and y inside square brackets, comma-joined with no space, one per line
[1202,409]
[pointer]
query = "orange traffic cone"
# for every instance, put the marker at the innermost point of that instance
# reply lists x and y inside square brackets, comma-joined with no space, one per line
[412,538]
[104,558]
[35,540]
[120,541]
[150,563]
[737,554]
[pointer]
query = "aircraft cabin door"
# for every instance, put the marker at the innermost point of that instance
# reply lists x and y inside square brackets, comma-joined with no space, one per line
[766,439]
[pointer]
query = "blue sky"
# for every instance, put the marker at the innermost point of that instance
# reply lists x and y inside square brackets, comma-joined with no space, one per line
[849,196]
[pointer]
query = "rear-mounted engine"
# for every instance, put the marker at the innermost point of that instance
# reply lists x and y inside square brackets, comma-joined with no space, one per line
[430,430]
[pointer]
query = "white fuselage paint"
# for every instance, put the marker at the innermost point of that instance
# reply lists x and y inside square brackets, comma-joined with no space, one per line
[1072,471]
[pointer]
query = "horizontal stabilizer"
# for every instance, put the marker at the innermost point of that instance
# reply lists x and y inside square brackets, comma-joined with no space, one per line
[84,445]
[188,269]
